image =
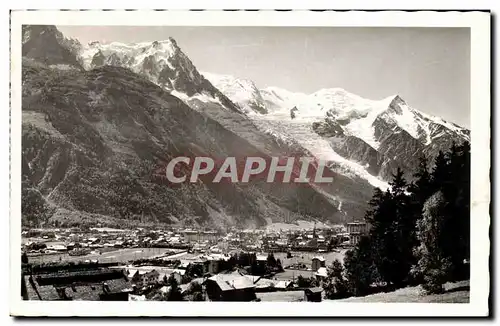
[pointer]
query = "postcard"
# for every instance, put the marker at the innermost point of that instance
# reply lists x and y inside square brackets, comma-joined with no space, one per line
[250,163]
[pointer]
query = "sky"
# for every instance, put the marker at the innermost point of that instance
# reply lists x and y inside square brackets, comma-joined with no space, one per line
[428,67]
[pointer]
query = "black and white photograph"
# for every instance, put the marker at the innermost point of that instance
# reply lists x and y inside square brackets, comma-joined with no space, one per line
[279,158]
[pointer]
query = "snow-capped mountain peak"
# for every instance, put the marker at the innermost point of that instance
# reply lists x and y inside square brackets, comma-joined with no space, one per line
[357,115]
[279,98]
[367,137]
[243,92]
[163,63]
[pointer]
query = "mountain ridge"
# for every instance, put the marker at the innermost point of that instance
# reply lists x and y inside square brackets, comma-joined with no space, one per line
[92,150]
[124,109]
[349,121]
[162,62]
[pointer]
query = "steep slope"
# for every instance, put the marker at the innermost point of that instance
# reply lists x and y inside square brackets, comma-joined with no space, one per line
[90,147]
[283,127]
[162,62]
[397,132]
[95,144]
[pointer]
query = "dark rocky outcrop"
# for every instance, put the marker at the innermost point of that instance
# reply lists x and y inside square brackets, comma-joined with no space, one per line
[46,44]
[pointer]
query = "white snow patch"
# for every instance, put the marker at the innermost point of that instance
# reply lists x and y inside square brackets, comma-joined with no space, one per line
[448,125]
[299,130]
[359,113]
[132,56]
[407,121]
[205,98]
[355,115]
[242,92]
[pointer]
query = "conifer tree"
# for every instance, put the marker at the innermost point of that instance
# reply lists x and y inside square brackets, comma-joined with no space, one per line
[396,246]
[360,268]
[335,285]
[440,173]
[456,242]
[405,223]
[174,294]
[421,186]
[393,233]
[382,239]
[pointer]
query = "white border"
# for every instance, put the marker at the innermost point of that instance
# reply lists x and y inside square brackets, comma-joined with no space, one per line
[480,137]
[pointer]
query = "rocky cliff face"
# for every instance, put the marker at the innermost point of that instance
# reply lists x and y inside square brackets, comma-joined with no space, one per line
[399,135]
[162,62]
[48,45]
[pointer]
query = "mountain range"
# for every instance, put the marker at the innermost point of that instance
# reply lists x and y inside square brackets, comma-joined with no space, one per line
[101,120]
[376,136]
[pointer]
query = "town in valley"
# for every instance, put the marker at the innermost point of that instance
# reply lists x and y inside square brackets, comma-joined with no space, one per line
[141,264]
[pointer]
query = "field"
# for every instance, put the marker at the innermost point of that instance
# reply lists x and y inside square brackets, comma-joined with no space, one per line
[458,292]
[119,255]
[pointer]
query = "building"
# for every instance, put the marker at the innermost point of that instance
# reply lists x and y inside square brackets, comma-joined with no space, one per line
[134,297]
[317,263]
[83,285]
[57,247]
[268,285]
[321,274]
[143,278]
[200,236]
[230,287]
[190,236]
[313,294]
[356,230]
[261,261]
[212,265]
[178,275]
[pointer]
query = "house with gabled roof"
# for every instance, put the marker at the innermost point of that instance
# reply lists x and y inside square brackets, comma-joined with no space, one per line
[317,263]
[230,287]
[142,277]
[88,285]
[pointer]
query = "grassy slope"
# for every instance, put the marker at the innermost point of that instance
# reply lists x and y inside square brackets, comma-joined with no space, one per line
[457,292]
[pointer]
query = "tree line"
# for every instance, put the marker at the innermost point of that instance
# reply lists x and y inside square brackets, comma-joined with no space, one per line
[419,231]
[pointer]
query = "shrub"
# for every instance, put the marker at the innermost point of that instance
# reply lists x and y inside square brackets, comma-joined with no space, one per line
[432,265]
[335,285]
